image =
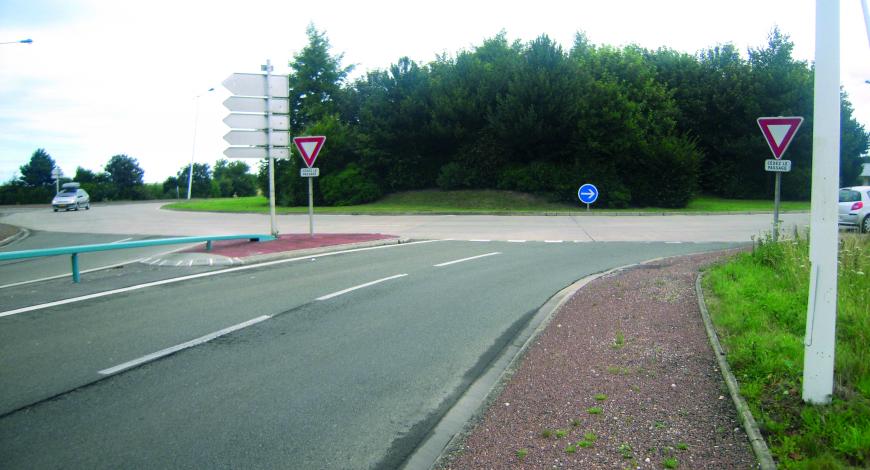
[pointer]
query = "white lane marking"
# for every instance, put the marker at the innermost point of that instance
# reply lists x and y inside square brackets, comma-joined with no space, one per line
[121,240]
[195,276]
[552,241]
[484,241]
[672,243]
[179,263]
[361,286]
[448,263]
[67,275]
[516,241]
[179,347]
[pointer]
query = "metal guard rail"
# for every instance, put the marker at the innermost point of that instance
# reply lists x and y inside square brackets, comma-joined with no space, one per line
[75,250]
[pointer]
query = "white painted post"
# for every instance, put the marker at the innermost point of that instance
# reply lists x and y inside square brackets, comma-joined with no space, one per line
[274,228]
[818,379]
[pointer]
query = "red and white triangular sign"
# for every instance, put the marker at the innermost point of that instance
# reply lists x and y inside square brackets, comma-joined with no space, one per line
[309,147]
[778,131]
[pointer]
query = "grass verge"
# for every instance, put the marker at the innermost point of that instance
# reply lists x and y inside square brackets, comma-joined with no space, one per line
[483,201]
[758,303]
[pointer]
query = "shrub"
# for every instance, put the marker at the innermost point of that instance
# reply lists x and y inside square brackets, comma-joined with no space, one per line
[349,187]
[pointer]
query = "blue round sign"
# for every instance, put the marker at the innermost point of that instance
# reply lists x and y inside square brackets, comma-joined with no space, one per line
[587,193]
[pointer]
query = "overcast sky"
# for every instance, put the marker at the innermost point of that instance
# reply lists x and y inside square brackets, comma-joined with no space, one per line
[108,77]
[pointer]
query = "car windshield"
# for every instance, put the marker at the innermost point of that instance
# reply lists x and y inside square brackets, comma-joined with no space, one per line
[67,192]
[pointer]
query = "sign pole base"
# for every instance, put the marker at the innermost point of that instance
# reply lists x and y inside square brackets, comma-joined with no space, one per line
[776,206]
[310,207]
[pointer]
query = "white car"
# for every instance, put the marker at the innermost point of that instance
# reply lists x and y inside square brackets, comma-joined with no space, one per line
[854,210]
[71,196]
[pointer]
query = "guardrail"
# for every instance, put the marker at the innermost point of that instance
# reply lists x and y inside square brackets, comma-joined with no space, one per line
[75,250]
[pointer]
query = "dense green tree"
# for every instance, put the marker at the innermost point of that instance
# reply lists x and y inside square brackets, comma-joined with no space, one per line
[201,184]
[316,81]
[233,178]
[37,172]
[125,175]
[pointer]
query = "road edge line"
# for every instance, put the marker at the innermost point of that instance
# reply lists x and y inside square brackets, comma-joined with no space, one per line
[756,440]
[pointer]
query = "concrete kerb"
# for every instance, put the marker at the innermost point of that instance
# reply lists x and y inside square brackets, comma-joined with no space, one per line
[453,428]
[759,446]
[21,235]
[185,259]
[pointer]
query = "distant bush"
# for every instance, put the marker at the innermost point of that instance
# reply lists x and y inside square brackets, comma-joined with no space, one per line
[350,187]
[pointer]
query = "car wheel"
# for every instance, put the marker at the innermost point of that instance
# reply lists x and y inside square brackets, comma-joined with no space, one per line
[865,226]
[77,207]
[54,210]
[88,206]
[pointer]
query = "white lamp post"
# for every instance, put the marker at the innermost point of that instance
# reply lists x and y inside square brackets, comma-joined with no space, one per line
[193,150]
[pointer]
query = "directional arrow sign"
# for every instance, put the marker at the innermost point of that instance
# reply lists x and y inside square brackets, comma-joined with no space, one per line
[588,193]
[280,139]
[309,147]
[256,152]
[240,104]
[779,131]
[257,121]
[254,84]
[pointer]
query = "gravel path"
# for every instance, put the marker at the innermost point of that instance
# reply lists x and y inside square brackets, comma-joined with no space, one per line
[623,377]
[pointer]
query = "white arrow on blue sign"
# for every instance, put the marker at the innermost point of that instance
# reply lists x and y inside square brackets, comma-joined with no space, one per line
[587,193]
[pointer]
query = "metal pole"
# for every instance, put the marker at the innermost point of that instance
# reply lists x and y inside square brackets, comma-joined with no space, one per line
[310,206]
[776,206]
[193,149]
[75,268]
[273,225]
[818,376]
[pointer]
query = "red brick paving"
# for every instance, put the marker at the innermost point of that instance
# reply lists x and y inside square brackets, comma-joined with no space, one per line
[287,242]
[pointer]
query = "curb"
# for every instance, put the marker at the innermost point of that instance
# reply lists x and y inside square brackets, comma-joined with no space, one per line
[322,249]
[759,446]
[21,235]
[452,429]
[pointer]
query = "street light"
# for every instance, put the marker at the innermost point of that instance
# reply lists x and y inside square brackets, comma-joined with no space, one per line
[22,41]
[193,151]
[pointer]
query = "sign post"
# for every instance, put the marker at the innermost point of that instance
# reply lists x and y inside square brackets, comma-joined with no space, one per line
[588,194]
[259,117]
[309,147]
[778,132]
[56,174]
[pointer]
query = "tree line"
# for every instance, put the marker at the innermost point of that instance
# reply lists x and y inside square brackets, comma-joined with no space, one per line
[122,179]
[648,127]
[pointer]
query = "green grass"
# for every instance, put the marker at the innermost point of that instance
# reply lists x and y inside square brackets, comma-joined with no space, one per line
[595,410]
[472,201]
[758,302]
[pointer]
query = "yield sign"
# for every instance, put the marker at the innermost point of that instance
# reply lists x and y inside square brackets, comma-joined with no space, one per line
[778,131]
[309,147]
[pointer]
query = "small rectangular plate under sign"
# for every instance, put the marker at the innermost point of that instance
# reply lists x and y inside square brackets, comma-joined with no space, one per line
[309,172]
[779,166]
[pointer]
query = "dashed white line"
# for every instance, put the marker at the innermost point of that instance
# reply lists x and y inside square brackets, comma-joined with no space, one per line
[179,347]
[121,240]
[553,241]
[448,263]
[361,286]
[196,276]
[484,241]
[516,241]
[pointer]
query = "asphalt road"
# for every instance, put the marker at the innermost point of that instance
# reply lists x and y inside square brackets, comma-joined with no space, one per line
[149,219]
[326,378]
[13,272]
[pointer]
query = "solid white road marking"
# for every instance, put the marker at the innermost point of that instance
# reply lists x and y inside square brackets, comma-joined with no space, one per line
[552,241]
[67,275]
[516,241]
[480,241]
[361,286]
[448,263]
[179,347]
[195,276]
[121,240]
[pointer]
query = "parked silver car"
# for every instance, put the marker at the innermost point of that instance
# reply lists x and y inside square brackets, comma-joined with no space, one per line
[71,196]
[855,208]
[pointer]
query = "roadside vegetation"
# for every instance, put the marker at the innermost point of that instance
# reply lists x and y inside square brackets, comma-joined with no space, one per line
[473,201]
[758,304]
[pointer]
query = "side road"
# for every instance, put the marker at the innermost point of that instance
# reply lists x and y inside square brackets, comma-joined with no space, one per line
[622,377]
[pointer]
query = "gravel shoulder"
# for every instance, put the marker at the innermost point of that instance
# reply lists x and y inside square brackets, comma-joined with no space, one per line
[622,377]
